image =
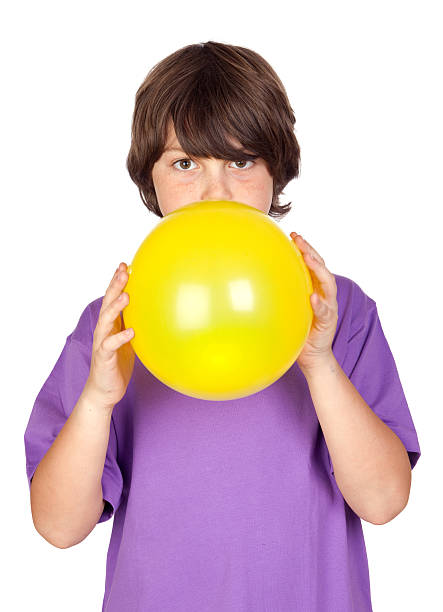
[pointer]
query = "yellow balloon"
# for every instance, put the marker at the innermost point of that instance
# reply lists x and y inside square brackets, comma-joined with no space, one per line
[219,300]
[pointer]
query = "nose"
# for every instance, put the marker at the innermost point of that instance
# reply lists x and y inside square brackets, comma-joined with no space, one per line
[215,185]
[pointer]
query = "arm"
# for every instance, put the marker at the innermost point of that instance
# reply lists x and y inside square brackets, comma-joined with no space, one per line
[371,465]
[66,493]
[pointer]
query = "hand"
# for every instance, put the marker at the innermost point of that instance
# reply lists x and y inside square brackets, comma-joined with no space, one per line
[112,358]
[318,345]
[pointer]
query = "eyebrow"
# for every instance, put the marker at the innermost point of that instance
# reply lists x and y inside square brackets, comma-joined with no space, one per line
[240,150]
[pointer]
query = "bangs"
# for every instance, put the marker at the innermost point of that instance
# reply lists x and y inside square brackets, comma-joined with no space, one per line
[210,113]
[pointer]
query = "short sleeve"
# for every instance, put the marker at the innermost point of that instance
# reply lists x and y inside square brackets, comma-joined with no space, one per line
[370,366]
[54,404]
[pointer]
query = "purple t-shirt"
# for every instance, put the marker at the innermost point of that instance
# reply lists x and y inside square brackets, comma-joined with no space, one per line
[229,506]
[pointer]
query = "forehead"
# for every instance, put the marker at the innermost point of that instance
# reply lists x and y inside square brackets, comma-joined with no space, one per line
[172,143]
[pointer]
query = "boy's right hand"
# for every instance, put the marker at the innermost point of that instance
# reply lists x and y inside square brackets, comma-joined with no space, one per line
[112,359]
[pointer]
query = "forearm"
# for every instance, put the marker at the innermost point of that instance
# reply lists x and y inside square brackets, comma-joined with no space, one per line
[371,465]
[66,492]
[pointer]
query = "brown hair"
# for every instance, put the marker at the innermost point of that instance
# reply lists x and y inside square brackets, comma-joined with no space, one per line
[210,91]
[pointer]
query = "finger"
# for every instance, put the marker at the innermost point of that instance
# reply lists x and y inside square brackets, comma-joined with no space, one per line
[320,306]
[116,285]
[304,246]
[110,317]
[323,281]
[312,258]
[111,343]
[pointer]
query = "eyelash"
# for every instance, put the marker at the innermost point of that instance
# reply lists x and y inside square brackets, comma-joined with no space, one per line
[189,169]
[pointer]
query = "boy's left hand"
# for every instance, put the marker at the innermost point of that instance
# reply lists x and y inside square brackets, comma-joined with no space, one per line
[318,345]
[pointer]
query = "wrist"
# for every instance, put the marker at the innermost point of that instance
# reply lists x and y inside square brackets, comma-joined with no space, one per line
[93,401]
[324,363]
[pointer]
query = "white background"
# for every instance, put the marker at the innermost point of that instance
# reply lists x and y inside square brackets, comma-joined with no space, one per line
[364,81]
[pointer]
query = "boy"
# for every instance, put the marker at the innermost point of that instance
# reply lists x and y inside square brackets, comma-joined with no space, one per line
[234,505]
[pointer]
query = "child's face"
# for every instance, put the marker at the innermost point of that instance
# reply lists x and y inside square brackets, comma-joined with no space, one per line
[178,180]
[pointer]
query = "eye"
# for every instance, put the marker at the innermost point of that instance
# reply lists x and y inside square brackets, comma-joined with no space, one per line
[244,161]
[180,161]
[186,160]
